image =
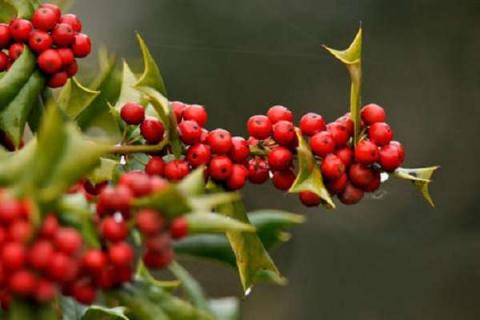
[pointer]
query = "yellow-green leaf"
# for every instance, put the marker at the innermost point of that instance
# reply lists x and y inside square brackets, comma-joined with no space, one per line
[151,76]
[421,177]
[128,93]
[191,286]
[24,8]
[105,171]
[215,223]
[74,98]
[309,177]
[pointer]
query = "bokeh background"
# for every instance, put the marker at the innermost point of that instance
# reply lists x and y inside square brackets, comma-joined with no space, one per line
[390,257]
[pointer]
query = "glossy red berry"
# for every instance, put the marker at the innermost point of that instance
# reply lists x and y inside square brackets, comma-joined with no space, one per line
[22,283]
[309,199]
[176,170]
[178,108]
[44,19]
[220,168]
[240,151]
[49,227]
[338,185]
[68,241]
[54,8]
[81,45]
[351,194]
[198,155]
[279,113]
[10,210]
[63,35]
[20,231]
[284,132]
[312,123]
[132,113]
[332,167]
[66,55]
[13,256]
[322,143]
[220,141]
[280,158]
[190,132]
[284,179]
[94,260]
[158,184]
[4,61]
[380,133]
[158,260]
[345,154]
[149,222]
[196,113]
[361,175]
[155,166]
[15,51]
[152,130]
[62,268]
[179,228]
[401,150]
[72,20]
[121,254]
[40,41]
[339,133]
[5,36]
[72,68]
[238,178]
[45,291]
[84,292]
[259,127]
[375,183]
[116,199]
[50,61]
[390,157]
[372,113]
[20,30]
[347,121]
[58,79]
[258,171]
[113,230]
[366,152]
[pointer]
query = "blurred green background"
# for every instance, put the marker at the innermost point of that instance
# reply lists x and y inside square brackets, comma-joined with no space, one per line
[390,257]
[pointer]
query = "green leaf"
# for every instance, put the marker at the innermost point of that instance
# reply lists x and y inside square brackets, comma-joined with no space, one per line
[102,313]
[105,171]
[215,223]
[225,308]
[74,98]
[12,165]
[71,309]
[421,177]
[309,177]
[170,201]
[14,117]
[24,8]
[207,202]
[211,246]
[144,275]
[191,286]
[7,11]
[151,76]
[194,183]
[22,310]
[128,93]
[253,261]
[352,58]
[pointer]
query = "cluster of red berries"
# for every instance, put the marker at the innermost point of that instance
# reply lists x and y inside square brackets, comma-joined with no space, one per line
[56,39]
[348,171]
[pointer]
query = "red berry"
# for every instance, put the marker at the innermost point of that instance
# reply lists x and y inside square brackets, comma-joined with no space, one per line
[15,51]
[149,221]
[62,268]
[113,230]
[198,155]
[390,157]
[220,141]
[72,20]
[122,275]
[132,113]
[4,62]
[176,170]
[40,254]
[84,292]
[22,283]
[204,136]
[50,61]
[72,69]
[284,179]
[179,228]
[68,241]
[63,36]
[190,132]
[152,130]
[94,189]
[66,55]
[115,199]
[380,133]
[220,168]
[280,158]
[121,254]
[81,46]
[45,291]
[44,19]
[346,155]
[94,261]
[375,183]
[259,127]
[257,171]
[351,194]
[347,121]
[20,231]
[240,151]
[366,152]
[284,132]
[49,227]
[154,260]
[322,143]
[309,199]
[372,113]
[400,149]
[10,210]
[196,113]
[279,113]
[105,278]
[238,178]
[337,185]
[5,36]
[158,184]
[360,175]
[40,41]
[158,243]
[178,108]
[58,79]
[54,8]
[332,167]
[155,166]
[20,30]
[339,133]
[312,123]
[13,256]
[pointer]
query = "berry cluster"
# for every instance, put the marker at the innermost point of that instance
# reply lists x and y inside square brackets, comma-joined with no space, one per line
[270,150]
[56,40]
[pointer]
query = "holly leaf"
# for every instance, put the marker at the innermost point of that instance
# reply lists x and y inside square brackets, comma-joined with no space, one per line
[151,76]
[74,98]
[105,171]
[191,287]
[309,177]
[194,183]
[352,58]
[128,93]
[170,201]
[21,310]
[144,275]
[24,8]
[214,223]
[7,11]
[421,177]
[102,313]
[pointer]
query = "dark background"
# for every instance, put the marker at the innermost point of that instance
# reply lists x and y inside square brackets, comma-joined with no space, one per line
[391,257]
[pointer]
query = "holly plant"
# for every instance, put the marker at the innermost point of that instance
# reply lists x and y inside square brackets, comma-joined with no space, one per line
[105,183]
